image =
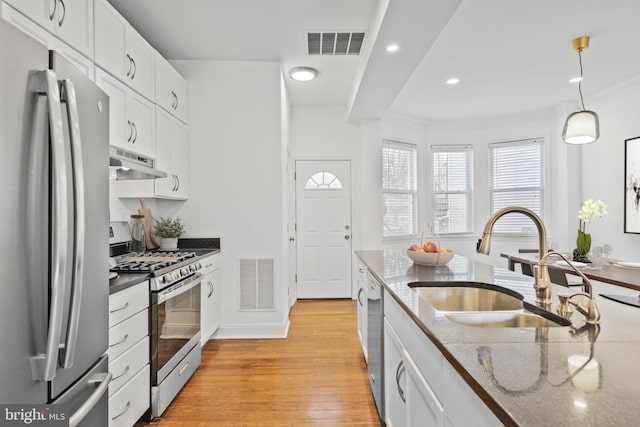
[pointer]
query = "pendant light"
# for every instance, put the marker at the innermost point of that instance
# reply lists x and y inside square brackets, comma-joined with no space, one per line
[581,127]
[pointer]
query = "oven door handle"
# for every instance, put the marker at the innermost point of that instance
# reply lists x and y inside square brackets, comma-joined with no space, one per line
[180,288]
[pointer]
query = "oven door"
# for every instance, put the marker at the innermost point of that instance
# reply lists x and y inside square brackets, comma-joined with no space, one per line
[175,325]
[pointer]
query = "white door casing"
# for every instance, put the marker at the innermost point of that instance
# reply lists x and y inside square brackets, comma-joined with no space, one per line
[323,228]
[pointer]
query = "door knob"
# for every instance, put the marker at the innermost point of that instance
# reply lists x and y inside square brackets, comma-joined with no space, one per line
[347,237]
[291,239]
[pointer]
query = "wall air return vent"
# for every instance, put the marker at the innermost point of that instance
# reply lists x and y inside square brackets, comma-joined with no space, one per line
[257,284]
[332,43]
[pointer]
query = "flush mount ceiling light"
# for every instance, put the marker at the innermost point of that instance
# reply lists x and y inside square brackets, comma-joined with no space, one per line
[581,127]
[393,48]
[303,74]
[453,81]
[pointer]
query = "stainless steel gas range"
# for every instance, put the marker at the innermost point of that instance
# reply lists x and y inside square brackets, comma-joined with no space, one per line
[174,314]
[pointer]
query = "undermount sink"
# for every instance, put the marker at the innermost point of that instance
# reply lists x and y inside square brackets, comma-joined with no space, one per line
[466,296]
[503,320]
[483,305]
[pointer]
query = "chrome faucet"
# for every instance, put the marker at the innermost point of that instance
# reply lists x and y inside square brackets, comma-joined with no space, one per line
[590,311]
[542,283]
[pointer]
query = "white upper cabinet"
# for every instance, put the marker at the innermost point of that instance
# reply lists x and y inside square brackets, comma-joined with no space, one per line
[171,89]
[37,32]
[69,20]
[121,51]
[131,117]
[172,157]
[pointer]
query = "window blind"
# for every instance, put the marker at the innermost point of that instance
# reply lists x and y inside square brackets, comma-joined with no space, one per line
[452,174]
[517,180]
[399,186]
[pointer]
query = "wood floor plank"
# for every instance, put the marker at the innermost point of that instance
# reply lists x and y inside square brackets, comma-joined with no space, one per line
[315,377]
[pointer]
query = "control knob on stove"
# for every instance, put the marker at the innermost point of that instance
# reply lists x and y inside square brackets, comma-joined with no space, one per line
[184,271]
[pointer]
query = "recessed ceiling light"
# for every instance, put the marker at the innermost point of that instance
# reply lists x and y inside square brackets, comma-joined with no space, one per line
[453,81]
[303,74]
[575,80]
[392,48]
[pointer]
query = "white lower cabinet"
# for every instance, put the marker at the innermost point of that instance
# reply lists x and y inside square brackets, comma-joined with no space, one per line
[130,388]
[361,301]
[409,400]
[421,387]
[210,302]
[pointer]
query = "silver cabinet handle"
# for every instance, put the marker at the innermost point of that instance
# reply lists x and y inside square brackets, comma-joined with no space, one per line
[90,403]
[177,101]
[358,298]
[211,289]
[126,371]
[52,13]
[133,75]
[130,131]
[184,368]
[135,132]
[173,102]
[124,411]
[69,95]
[126,305]
[64,13]
[130,64]
[123,340]
[399,371]
[46,364]
[178,179]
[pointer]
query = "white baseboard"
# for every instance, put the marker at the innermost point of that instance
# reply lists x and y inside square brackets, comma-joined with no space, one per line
[257,331]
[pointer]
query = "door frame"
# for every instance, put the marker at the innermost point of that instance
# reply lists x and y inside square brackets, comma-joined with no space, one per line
[294,200]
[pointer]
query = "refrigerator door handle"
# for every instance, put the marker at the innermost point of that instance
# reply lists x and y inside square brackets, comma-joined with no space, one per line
[103,380]
[69,349]
[44,365]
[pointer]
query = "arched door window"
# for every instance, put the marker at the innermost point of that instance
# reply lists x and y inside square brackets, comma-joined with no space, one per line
[323,181]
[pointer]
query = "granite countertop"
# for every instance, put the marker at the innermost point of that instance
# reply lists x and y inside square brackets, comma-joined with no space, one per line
[522,374]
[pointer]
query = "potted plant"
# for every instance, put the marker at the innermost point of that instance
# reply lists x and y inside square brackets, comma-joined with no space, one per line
[168,230]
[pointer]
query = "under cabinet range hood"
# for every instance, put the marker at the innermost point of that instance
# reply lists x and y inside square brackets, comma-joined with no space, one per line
[133,166]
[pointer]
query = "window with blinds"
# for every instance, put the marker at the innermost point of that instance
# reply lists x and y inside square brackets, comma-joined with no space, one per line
[517,179]
[452,174]
[399,189]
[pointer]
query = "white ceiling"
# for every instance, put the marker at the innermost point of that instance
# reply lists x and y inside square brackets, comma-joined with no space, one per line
[511,56]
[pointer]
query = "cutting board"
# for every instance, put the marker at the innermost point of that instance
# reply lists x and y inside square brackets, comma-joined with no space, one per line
[151,240]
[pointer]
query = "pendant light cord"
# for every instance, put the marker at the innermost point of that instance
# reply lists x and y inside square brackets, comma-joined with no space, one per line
[580,82]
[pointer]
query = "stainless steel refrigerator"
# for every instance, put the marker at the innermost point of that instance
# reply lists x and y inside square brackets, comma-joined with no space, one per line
[54,161]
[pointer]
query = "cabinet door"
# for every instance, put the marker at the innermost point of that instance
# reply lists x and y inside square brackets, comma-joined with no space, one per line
[42,12]
[423,408]
[142,115]
[74,24]
[120,131]
[179,86]
[395,384]
[180,156]
[109,30]
[26,25]
[141,54]
[361,301]
[164,92]
[164,186]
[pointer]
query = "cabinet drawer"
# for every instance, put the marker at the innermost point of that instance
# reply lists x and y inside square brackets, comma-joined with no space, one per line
[128,404]
[128,364]
[210,263]
[126,334]
[128,302]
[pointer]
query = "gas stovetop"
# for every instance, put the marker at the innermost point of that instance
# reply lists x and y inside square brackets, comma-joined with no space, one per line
[156,262]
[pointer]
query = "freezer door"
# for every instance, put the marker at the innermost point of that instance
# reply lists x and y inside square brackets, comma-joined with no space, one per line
[87,402]
[24,195]
[85,333]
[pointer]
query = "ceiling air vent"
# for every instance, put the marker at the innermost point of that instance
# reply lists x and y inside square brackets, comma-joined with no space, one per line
[330,43]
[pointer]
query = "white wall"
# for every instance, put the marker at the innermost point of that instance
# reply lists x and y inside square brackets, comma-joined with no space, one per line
[603,166]
[236,178]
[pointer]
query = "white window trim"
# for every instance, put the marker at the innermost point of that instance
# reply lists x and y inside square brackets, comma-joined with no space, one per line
[404,145]
[541,142]
[469,178]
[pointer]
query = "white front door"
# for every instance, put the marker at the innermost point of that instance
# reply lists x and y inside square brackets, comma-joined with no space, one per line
[323,219]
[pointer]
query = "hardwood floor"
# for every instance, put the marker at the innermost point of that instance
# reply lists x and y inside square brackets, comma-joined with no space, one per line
[315,377]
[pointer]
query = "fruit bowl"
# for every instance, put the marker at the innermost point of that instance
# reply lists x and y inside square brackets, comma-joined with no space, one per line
[430,258]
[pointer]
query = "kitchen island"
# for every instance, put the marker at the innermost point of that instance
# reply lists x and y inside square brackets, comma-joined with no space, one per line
[526,376]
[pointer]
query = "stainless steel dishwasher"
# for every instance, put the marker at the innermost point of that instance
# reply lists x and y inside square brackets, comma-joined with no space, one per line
[375,317]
